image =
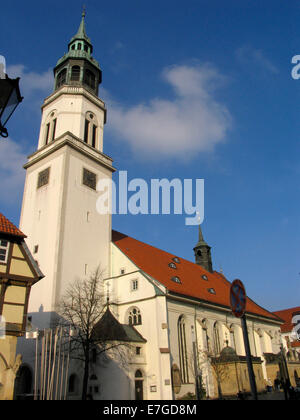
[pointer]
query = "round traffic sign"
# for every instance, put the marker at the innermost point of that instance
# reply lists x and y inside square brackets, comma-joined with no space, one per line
[238,298]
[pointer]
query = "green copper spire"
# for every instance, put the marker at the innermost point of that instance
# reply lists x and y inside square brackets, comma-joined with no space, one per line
[81,33]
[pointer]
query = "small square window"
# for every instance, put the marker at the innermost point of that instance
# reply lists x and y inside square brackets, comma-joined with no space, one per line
[122,271]
[36,249]
[89,179]
[138,351]
[43,178]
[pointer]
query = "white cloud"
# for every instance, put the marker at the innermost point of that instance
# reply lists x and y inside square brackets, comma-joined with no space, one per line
[31,82]
[193,122]
[250,56]
[12,174]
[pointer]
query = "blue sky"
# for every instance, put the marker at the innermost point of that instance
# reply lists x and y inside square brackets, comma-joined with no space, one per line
[193,90]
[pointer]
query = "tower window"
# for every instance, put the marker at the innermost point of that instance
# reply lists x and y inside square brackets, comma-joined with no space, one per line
[86,49]
[90,79]
[79,46]
[61,78]
[89,179]
[94,136]
[54,129]
[86,131]
[75,75]
[73,47]
[43,178]
[47,133]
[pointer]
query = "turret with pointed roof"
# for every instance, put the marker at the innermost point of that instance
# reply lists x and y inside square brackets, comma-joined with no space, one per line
[203,253]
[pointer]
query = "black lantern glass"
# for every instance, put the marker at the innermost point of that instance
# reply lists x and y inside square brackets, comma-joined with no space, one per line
[10,97]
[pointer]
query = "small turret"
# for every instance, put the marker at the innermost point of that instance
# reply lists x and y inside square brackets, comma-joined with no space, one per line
[203,253]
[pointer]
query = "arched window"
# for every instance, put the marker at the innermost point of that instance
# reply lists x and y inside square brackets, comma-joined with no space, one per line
[86,48]
[90,79]
[75,75]
[79,46]
[139,386]
[61,78]
[183,350]
[73,381]
[90,130]
[134,317]
[206,339]
[217,344]
[23,382]
[232,338]
[50,127]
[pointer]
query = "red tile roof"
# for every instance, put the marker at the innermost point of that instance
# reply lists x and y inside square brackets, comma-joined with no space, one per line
[287,315]
[155,263]
[9,228]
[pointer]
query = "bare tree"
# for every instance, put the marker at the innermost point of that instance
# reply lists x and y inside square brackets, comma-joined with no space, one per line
[218,365]
[81,308]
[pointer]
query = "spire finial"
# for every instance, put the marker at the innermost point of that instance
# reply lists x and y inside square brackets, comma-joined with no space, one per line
[83,11]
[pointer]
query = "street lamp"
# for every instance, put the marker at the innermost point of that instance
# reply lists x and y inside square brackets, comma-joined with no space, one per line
[10,97]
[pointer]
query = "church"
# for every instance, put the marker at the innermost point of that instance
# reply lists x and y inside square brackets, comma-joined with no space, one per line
[174,313]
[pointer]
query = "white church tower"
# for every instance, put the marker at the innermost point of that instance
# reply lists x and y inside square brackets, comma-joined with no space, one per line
[66,235]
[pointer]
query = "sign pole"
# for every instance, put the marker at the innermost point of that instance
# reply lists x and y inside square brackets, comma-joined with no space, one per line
[238,301]
[249,358]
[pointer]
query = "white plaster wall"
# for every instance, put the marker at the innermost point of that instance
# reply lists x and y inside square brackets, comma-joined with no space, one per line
[40,221]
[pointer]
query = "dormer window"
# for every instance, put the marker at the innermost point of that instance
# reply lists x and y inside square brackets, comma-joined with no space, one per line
[176,260]
[172,265]
[4,245]
[176,280]
[205,278]
[212,291]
